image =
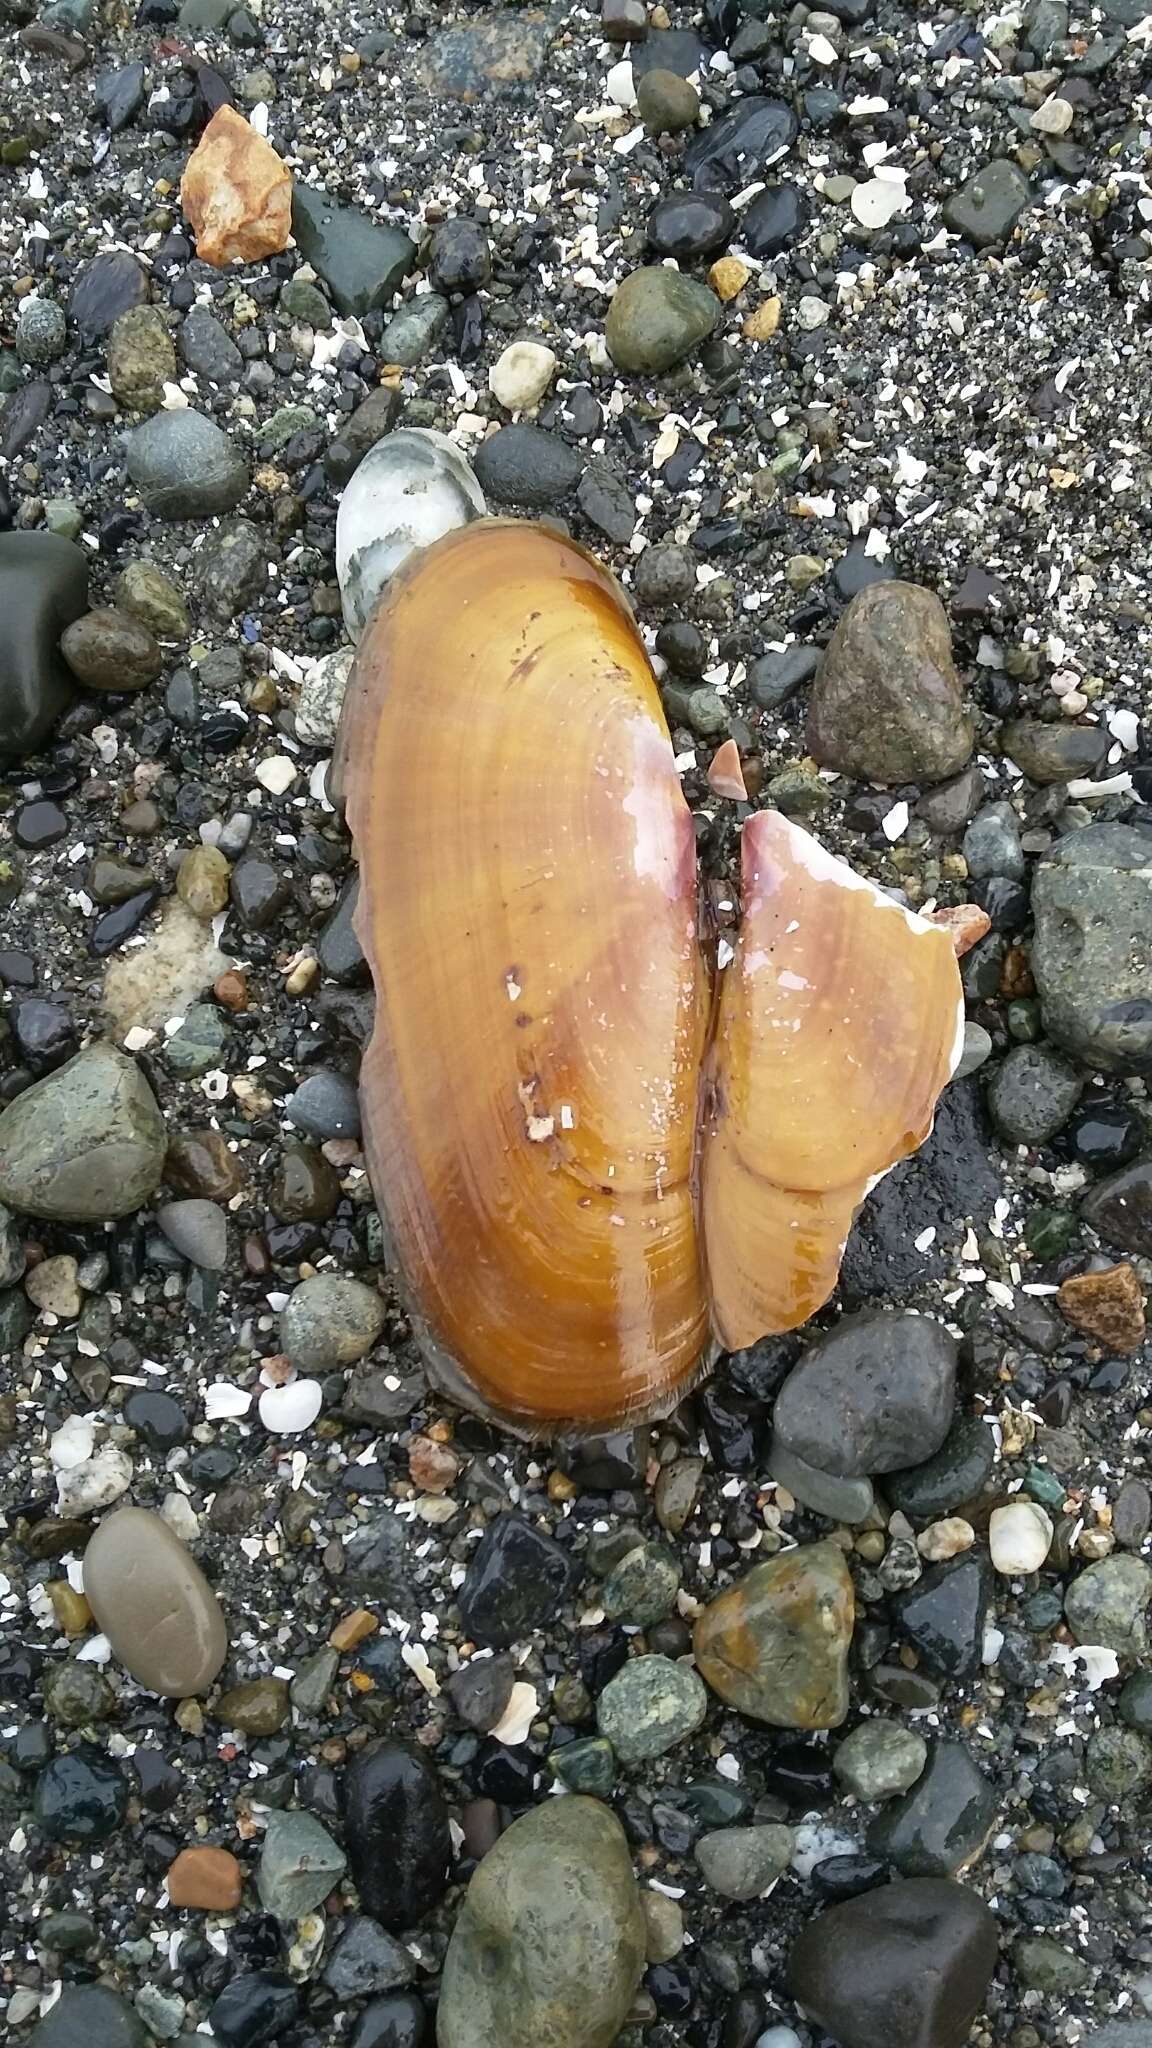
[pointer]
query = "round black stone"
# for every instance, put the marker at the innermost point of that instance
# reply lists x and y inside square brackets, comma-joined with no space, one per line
[691,225]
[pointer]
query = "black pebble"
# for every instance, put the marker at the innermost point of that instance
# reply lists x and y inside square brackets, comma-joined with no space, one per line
[254,2008]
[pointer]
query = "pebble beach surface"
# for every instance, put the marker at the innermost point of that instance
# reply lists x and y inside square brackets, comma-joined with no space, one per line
[821,1710]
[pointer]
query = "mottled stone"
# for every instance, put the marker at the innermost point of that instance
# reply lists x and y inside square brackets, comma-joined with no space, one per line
[775,1645]
[887,705]
[299,1865]
[649,1707]
[84,1144]
[549,1946]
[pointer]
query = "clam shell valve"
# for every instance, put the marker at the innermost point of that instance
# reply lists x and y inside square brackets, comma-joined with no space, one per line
[596,1160]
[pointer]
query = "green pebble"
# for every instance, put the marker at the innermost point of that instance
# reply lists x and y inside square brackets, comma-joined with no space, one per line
[586,1766]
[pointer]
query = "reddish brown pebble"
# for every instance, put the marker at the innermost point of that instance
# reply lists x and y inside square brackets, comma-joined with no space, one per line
[1108,1306]
[209,1880]
[231,990]
[433,1467]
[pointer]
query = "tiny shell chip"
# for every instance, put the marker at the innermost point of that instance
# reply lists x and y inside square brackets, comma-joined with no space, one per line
[285,1411]
[878,201]
[237,193]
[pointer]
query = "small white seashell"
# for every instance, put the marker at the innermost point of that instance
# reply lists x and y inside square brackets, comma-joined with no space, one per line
[287,1410]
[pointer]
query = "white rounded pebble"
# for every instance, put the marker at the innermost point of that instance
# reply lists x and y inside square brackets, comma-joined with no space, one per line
[72,1444]
[287,1410]
[1019,1537]
[778,2037]
[522,375]
[945,1539]
[1055,117]
[621,86]
[878,200]
[95,1484]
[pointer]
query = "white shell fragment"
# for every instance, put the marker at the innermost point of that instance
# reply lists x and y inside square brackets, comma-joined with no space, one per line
[518,1716]
[287,1410]
[878,201]
[1019,1537]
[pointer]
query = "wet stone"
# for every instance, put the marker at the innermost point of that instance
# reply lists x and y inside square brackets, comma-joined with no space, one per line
[260,889]
[989,204]
[81,1797]
[910,1961]
[741,1863]
[481,1690]
[207,348]
[549,1946]
[396,1833]
[588,1766]
[656,318]
[105,288]
[87,2014]
[154,1604]
[141,358]
[1092,900]
[1033,1093]
[413,329]
[184,466]
[736,149]
[233,568]
[525,466]
[518,1578]
[690,226]
[774,219]
[367,1960]
[84,1144]
[826,1493]
[942,1615]
[330,1321]
[887,705]
[299,1863]
[775,1645]
[643,1586]
[649,1707]
[199,1045]
[259,1706]
[1054,752]
[665,102]
[942,1824]
[875,1395]
[476,58]
[110,650]
[200,1163]
[880,1759]
[254,2008]
[76,1695]
[362,261]
[1107,1604]
[51,577]
[157,1418]
[955,1475]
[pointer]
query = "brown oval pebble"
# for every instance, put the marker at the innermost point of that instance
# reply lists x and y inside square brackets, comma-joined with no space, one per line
[209,1879]
[154,1604]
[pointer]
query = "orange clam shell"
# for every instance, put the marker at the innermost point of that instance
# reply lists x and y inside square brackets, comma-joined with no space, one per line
[589,1169]
[528,906]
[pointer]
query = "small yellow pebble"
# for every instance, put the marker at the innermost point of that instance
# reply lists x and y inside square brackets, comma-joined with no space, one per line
[71,1609]
[728,277]
[353,1628]
[761,325]
[560,1487]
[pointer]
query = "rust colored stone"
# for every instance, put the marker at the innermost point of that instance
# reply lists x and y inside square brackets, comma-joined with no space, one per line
[237,193]
[433,1467]
[206,1879]
[1107,1306]
[231,989]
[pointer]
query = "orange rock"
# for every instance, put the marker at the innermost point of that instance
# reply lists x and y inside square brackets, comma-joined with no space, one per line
[966,923]
[353,1628]
[1108,1306]
[209,1880]
[237,193]
[231,989]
